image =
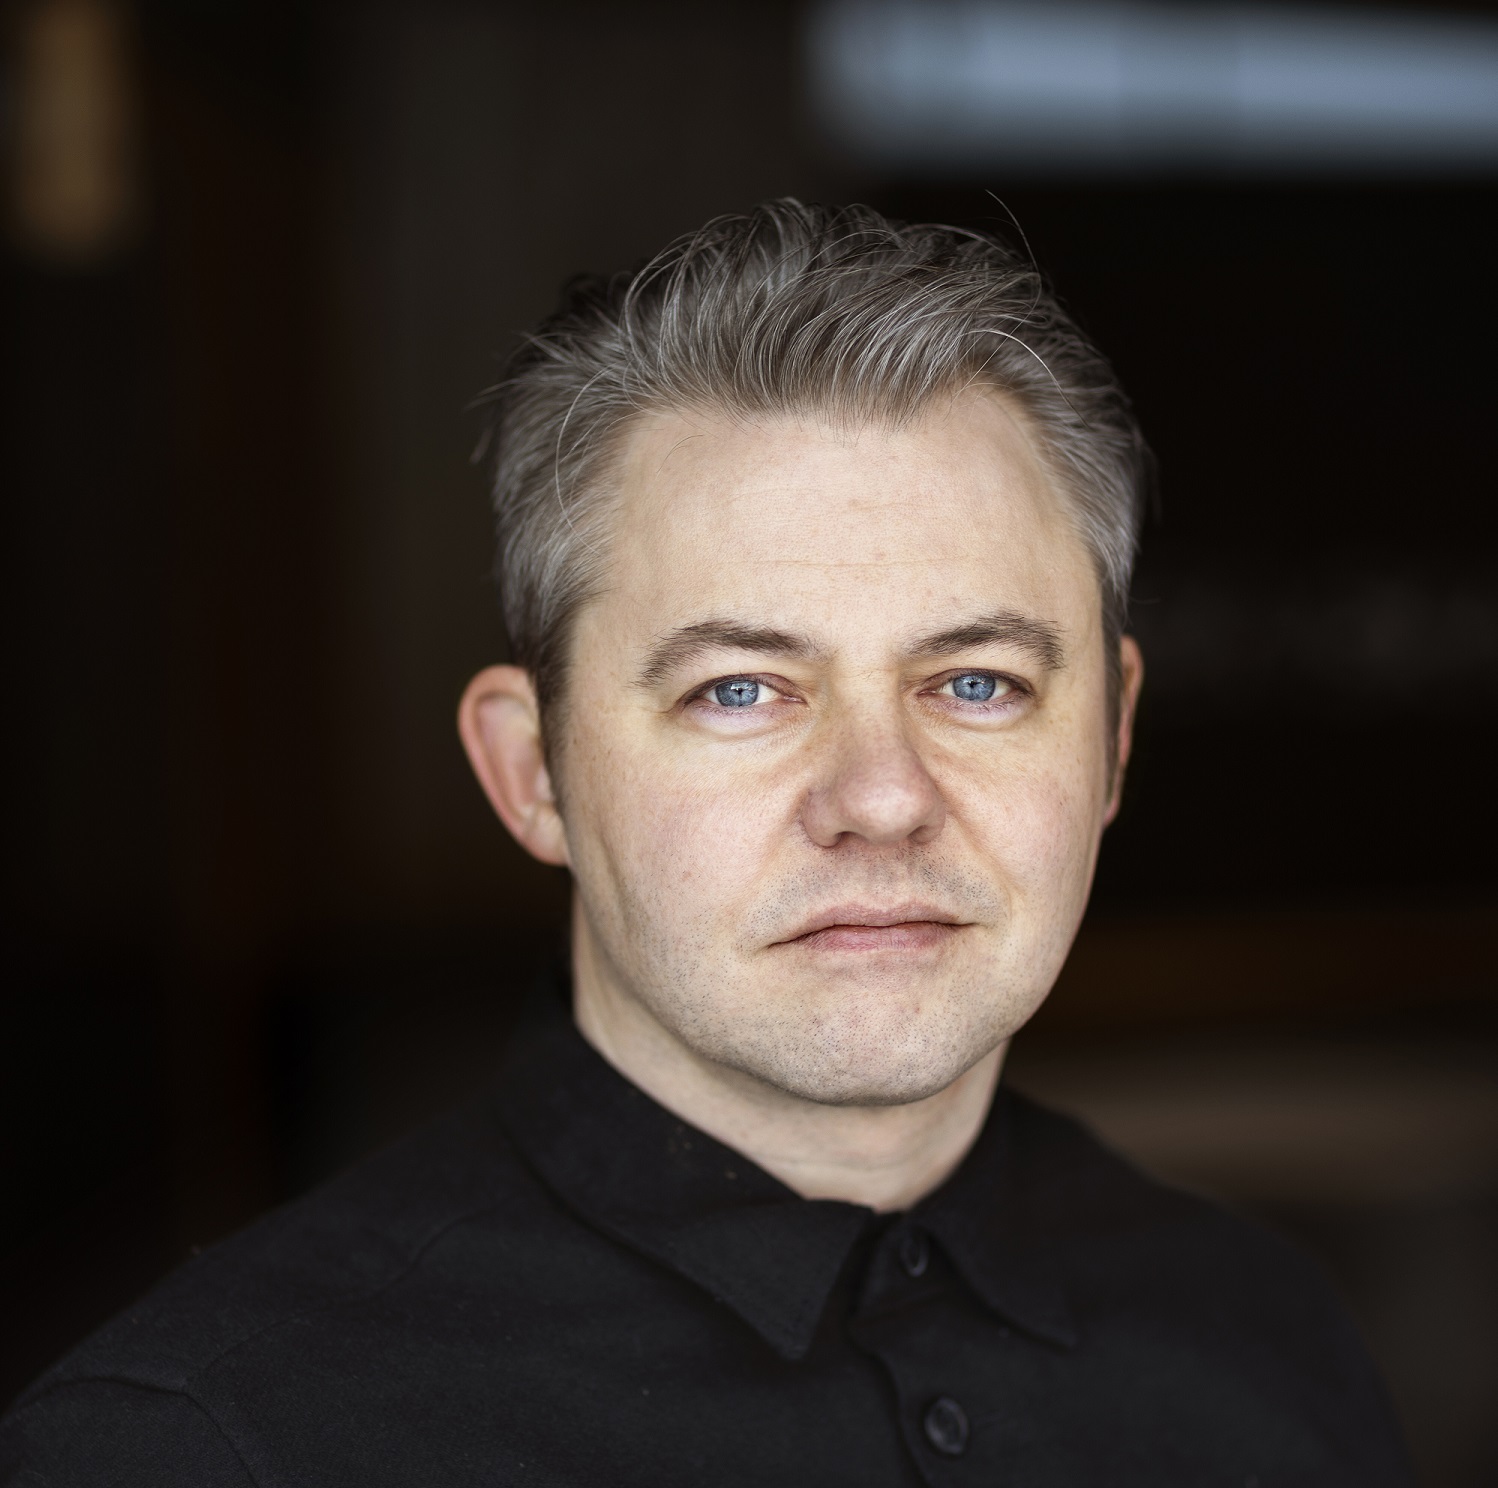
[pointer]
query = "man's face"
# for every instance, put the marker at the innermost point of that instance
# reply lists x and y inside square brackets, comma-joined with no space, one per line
[835,763]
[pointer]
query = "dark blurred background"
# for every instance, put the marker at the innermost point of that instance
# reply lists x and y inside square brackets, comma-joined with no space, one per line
[259,258]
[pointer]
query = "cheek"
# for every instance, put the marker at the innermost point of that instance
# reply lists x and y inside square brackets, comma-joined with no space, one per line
[681,843]
[1038,823]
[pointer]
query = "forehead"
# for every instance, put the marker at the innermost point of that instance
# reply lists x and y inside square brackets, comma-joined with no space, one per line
[797,518]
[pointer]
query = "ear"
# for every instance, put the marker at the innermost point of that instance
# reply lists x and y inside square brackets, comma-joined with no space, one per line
[499,722]
[1130,680]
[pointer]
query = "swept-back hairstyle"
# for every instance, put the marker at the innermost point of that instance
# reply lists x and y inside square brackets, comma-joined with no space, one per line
[786,309]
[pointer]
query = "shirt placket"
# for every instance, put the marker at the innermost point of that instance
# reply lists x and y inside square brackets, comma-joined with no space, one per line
[942,1352]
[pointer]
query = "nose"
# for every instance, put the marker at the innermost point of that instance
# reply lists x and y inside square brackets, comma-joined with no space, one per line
[876,787]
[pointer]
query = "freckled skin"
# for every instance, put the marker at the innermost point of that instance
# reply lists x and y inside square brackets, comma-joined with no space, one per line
[702,840]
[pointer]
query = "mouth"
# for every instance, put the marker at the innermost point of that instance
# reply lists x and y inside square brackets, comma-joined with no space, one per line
[857,927]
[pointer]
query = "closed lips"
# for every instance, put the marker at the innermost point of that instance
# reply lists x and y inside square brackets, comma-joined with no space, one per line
[860,917]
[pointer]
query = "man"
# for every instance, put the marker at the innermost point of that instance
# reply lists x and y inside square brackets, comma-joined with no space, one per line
[815,545]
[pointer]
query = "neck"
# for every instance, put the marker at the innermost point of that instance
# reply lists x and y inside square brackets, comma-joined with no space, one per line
[887,1157]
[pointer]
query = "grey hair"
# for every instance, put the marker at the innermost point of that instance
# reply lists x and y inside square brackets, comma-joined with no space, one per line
[790,309]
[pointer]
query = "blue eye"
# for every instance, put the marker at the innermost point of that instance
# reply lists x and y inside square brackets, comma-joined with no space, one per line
[975,687]
[740,693]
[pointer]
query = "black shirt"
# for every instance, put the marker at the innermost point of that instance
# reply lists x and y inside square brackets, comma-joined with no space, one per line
[565,1284]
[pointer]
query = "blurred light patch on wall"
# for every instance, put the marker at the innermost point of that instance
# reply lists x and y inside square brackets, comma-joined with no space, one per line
[944,87]
[74,170]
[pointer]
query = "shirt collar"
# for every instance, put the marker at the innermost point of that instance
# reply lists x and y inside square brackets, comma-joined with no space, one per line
[630,1168]
[988,1217]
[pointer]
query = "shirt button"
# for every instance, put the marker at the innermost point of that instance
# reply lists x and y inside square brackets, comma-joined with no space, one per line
[946,1427]
[915,1253]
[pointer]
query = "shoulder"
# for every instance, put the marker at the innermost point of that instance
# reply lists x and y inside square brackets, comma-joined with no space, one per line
[347,1240]
[1172,1287]
[101,1433]
[1119,1228]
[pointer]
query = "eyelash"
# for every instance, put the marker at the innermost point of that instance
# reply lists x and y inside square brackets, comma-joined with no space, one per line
[703,694]
[1018,689]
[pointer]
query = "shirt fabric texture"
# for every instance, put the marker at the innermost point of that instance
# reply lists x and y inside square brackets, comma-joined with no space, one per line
[564,1284]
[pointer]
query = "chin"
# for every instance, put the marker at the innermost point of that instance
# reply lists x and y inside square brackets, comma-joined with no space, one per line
[857,1061]
[870,1087]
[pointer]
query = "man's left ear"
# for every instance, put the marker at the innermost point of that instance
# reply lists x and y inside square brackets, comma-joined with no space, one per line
[499,721]
[1130,680]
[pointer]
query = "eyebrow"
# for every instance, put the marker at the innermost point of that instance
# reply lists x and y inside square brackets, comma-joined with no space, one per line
[1039,639]
[687,642]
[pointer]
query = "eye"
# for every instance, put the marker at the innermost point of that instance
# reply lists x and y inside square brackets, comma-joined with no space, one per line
[738,705]
[978,687]
[738,692]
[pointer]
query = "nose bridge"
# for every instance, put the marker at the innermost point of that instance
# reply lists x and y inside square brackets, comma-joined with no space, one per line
[874,783]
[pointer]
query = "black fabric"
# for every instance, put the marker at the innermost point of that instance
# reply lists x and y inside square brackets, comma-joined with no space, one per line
[566,1285]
